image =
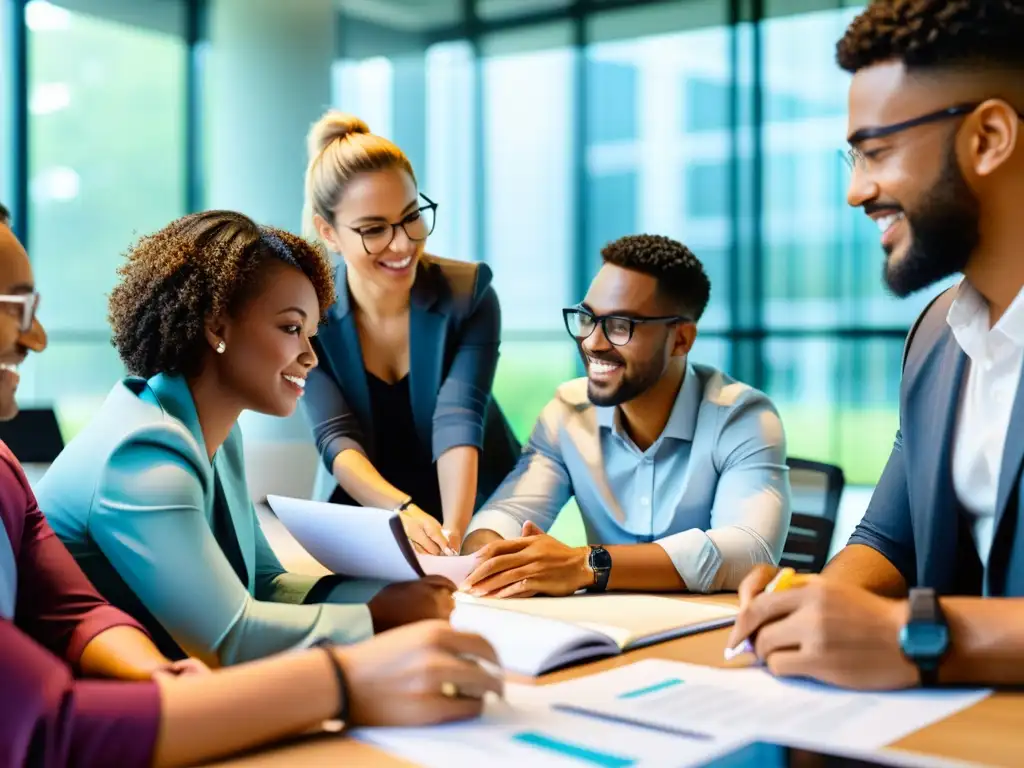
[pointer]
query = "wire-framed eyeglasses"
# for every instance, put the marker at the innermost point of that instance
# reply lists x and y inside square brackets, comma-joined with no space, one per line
[378,236]
[618,329]
[854,157]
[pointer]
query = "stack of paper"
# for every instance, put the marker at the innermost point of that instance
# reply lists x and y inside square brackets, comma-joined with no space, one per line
[662,713]
[714,703]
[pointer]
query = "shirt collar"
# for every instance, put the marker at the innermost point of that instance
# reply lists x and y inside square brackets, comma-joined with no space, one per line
[682,421]
[968,318]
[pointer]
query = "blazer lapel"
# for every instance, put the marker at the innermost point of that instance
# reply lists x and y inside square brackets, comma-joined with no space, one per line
[428,326]
[1009,479]
[931,477]
[228,476]
[232,492]
[341,337]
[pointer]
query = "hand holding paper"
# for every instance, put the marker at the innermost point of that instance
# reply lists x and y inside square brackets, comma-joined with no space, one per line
[362,542]
[425,532]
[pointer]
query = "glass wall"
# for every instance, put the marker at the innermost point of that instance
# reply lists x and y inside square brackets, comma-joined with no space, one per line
[106,164]
[544,129]
[6,100]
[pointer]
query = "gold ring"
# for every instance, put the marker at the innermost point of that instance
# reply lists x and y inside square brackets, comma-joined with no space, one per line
[450,690]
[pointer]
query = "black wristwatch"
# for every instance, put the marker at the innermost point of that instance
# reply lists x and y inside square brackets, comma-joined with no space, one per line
[924,639]
[600,562]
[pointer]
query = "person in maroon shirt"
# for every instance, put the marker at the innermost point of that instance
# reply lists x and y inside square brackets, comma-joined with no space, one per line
[53,623]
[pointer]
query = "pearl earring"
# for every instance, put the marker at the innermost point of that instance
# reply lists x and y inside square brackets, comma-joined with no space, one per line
[221,347]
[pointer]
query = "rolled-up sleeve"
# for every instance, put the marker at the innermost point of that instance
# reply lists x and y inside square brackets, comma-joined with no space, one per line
[50,719]
[335,426]
[465,392]
[537,488]
[56,604]
[886,526]
[751,511]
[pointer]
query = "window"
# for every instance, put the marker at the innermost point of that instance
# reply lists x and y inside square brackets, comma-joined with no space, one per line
[648,169]
[107,164]
[6,99]
[838,399]
[528,185]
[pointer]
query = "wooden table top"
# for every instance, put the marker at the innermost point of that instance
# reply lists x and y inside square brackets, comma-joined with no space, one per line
[991,732]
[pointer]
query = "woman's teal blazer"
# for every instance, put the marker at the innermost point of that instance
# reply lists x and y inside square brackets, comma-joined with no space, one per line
[141,507]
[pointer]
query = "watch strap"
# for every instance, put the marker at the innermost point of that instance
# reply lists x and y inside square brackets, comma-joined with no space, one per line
[923,605]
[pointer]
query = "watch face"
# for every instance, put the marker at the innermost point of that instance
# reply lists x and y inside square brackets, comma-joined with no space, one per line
[600,559]
[924,640]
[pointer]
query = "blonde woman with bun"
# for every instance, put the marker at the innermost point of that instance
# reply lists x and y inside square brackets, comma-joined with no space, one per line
[401,404]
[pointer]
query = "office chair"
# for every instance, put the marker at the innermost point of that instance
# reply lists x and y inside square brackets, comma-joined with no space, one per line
[816,490]
[33,436]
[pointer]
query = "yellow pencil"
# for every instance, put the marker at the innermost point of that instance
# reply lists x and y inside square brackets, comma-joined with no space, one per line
[786,578]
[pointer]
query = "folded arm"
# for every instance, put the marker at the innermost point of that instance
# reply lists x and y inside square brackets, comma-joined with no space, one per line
[148,520]
[52,719]
[751,512]
[60,608]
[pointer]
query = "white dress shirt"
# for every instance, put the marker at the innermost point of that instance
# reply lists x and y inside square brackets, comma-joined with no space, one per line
[995,355]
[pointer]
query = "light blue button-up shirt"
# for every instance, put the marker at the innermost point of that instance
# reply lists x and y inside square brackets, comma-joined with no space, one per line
[712,490]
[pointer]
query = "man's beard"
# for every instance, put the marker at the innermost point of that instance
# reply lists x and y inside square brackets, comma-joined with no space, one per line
[631,384]
[944,231]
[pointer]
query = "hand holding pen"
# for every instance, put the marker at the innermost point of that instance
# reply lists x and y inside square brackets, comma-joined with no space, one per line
[823,628]
[784,578]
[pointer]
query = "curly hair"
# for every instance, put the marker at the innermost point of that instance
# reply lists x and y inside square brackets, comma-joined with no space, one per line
[198,266]
[935,33]
[679,273]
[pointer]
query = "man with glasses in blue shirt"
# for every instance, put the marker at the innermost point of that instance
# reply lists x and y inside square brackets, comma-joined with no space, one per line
[679,471]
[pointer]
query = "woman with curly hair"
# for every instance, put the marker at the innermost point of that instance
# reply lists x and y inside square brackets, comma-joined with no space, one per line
[401,406]
[213,315]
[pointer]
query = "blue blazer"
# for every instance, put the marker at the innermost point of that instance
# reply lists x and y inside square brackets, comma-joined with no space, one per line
[454,336]
[136,500]
[914,518]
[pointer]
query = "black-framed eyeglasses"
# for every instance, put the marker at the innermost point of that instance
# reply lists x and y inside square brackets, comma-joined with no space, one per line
[27,304]
[418,225]
[618,329]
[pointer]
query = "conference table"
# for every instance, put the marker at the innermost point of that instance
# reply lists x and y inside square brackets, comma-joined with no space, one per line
[990,732]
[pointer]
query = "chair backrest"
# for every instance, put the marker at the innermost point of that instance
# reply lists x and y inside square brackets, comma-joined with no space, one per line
[33,436]
[816,491]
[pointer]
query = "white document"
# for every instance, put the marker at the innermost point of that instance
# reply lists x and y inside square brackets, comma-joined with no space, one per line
[521,731]
[362,542]
[752,703]
[538,634]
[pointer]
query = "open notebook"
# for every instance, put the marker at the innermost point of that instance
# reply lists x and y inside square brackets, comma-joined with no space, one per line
[536,635]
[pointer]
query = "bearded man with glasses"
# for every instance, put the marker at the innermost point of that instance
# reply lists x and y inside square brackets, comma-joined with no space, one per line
[678,470]
[929,589]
